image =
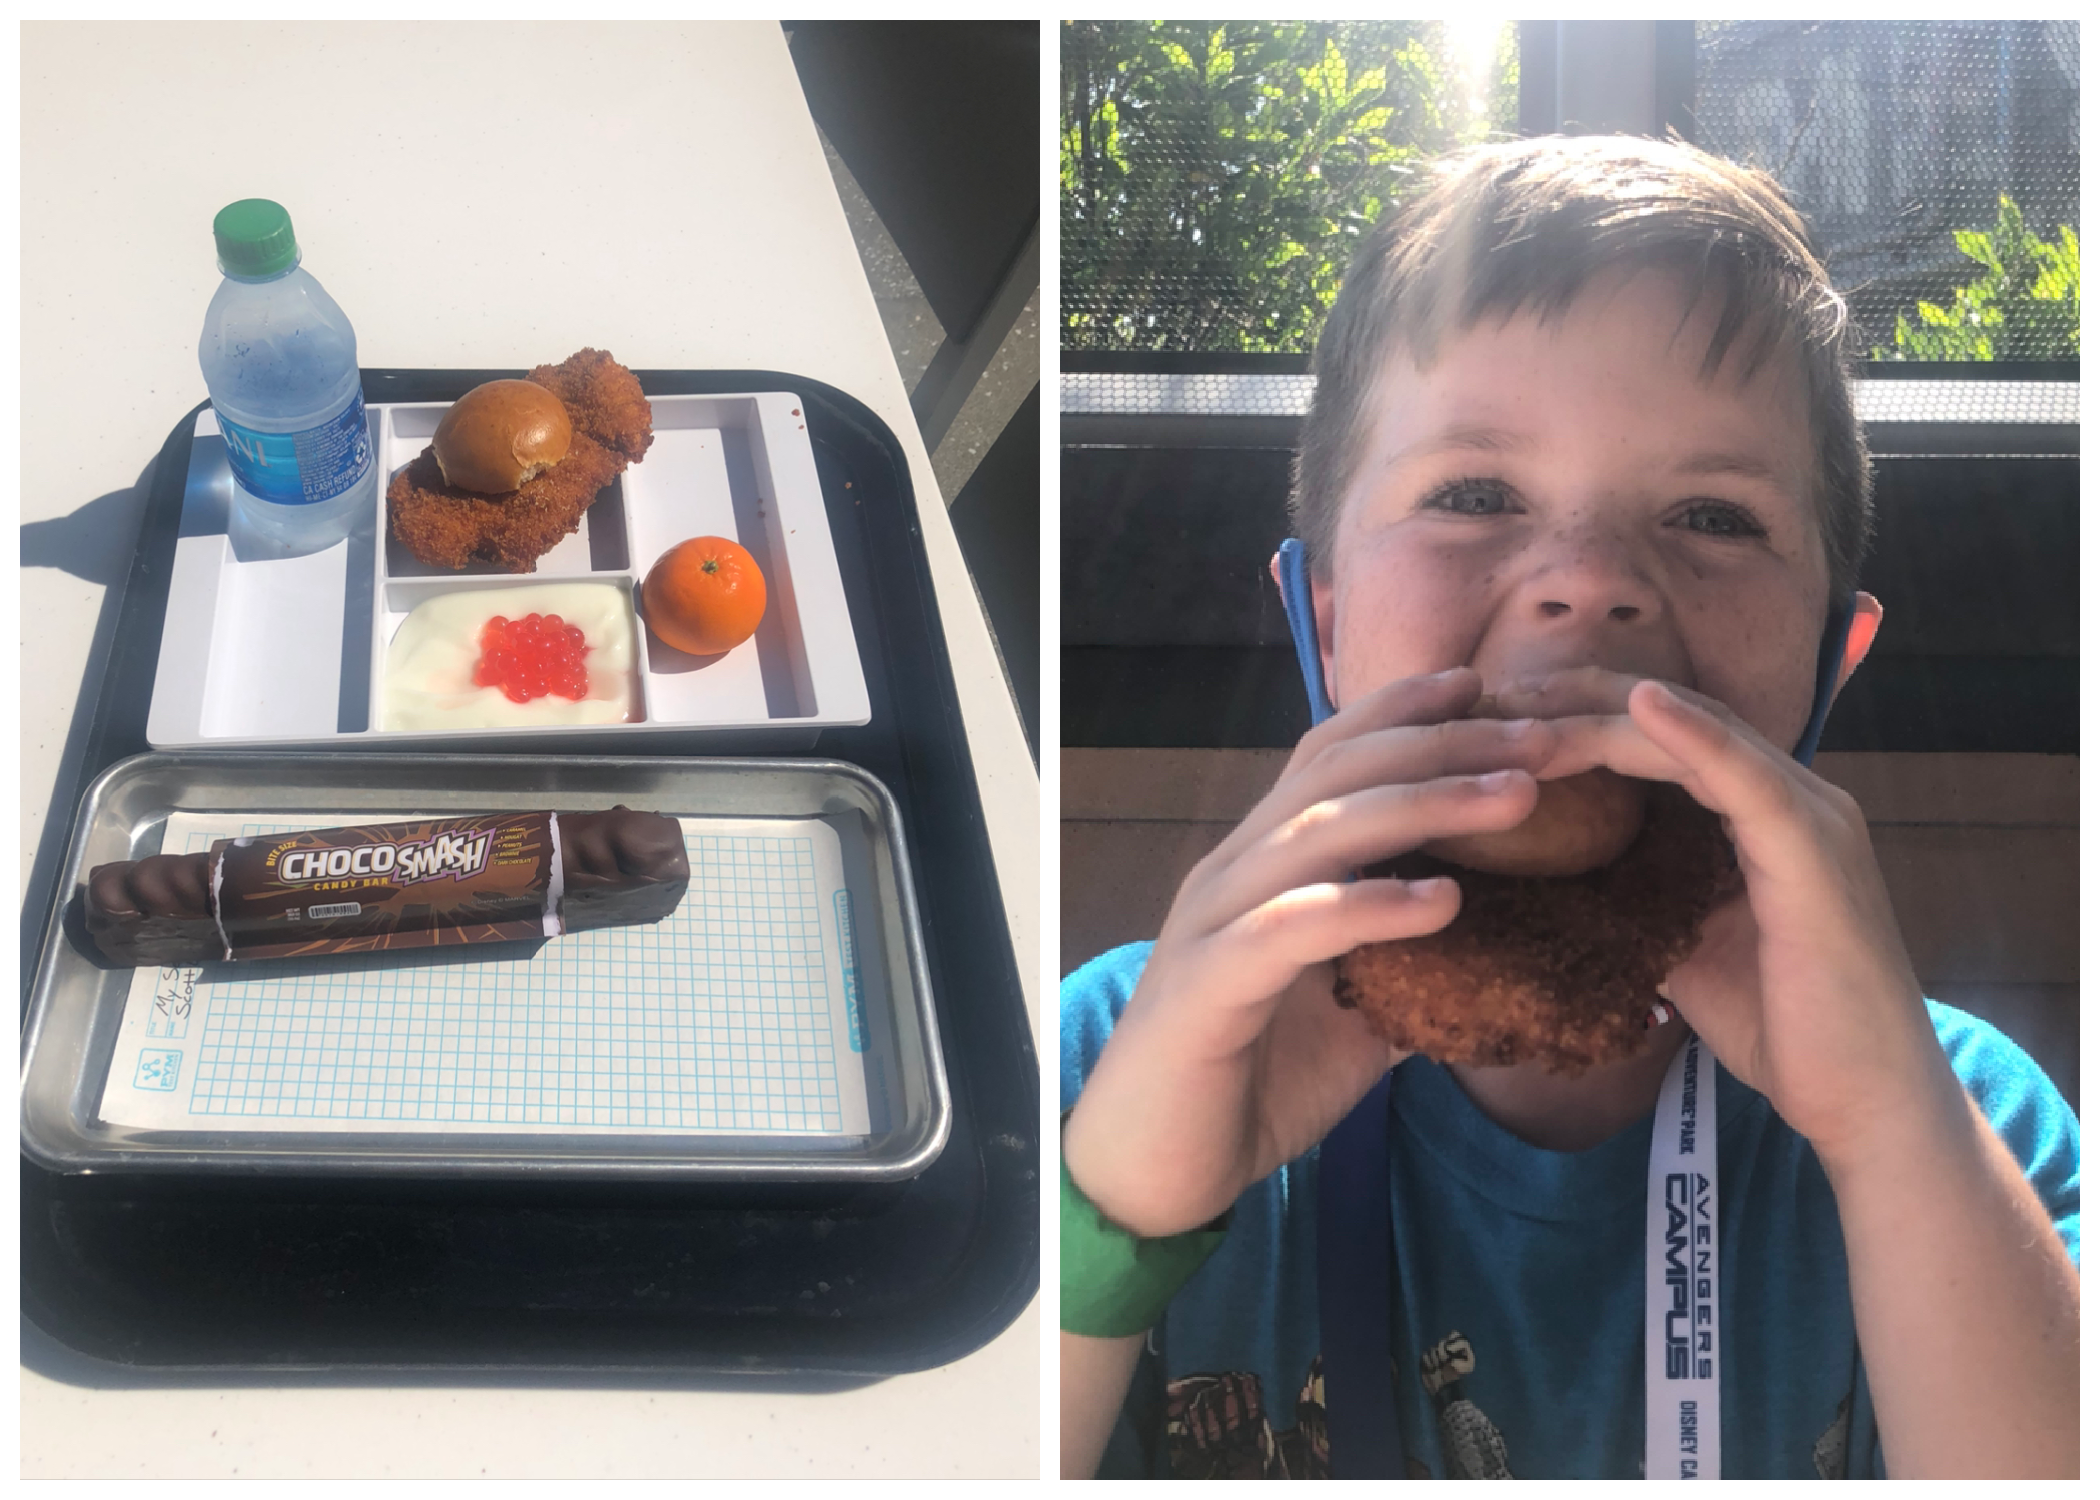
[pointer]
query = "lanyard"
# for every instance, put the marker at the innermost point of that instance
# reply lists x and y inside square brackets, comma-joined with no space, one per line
[1356,1268]
[1684,1275]
[1354,1194]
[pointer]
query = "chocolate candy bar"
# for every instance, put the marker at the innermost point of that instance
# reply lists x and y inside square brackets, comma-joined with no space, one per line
[620,868]
[153,911]
[436,882]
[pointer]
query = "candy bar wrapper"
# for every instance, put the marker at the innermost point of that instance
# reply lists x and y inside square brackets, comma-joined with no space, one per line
[432,883]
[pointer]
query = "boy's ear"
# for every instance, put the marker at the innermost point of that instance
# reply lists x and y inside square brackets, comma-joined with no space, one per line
[1866,624]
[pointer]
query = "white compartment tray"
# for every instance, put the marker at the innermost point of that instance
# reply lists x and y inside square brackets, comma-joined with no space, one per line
[293,651]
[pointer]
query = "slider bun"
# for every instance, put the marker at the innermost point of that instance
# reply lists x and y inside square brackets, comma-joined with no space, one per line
[501,434]
[1582,822]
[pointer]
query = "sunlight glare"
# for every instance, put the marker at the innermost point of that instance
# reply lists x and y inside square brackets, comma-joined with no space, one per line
[1470,44]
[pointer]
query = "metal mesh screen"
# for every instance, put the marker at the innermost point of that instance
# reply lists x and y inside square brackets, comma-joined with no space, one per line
[2002,403]
[1903,142]
[1216,175]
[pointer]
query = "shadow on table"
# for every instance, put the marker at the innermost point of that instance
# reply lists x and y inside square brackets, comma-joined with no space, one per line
[95,543]
[49,1358]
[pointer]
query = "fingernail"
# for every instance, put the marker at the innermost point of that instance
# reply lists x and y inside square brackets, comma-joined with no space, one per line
[1516,729]
[1424,889]
[1495,781]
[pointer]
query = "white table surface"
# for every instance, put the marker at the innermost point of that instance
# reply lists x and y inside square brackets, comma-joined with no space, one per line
[477,196]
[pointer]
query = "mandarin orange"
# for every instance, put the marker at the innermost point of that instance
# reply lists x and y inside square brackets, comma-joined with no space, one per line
[704,596]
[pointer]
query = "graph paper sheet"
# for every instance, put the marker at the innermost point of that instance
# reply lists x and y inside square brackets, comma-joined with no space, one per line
[737,1014]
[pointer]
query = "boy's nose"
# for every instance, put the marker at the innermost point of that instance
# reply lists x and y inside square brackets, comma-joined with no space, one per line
[1583,596]
[1554,608]
[1591,577]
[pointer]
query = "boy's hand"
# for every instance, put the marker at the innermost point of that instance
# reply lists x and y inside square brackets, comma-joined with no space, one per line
[1801,984]
[1232,1057]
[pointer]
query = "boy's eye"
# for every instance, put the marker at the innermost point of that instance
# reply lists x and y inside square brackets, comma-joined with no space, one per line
[1471,497]
[1718,518]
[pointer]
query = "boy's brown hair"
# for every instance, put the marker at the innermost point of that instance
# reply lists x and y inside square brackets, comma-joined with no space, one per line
[1529,225]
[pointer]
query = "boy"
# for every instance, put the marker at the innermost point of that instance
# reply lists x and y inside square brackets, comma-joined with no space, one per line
[1582,441]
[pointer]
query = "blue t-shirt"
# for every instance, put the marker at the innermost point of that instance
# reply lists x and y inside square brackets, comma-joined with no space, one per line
[1519,1309]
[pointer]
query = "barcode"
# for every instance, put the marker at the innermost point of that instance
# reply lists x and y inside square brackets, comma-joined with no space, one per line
[340,909]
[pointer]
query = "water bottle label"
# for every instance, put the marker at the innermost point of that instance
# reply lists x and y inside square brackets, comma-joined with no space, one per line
[301,468]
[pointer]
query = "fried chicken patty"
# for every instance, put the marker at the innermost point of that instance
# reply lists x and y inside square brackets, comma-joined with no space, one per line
[1559,970]
[448,527]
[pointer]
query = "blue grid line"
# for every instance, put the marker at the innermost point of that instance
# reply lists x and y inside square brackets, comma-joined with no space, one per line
[717,1018]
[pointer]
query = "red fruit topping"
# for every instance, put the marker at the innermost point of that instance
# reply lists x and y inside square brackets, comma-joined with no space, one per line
[531,658]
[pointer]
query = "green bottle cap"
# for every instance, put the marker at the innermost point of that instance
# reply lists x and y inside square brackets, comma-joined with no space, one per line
[255,238]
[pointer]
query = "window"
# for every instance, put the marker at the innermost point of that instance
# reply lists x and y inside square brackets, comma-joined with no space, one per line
[1937,162]
[1216,176]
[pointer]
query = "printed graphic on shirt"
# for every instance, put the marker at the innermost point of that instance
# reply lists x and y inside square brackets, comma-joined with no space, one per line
[1217,1428]
[1473,1447]
[1830,1447]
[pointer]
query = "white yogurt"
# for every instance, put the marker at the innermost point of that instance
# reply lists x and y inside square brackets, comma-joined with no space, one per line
[429,681]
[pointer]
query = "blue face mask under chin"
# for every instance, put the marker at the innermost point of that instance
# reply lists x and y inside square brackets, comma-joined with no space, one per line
[1292,571]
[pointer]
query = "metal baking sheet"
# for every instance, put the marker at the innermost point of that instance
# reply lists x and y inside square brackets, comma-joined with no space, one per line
[87,1019]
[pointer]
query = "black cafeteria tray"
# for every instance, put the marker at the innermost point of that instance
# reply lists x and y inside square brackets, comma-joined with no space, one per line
[133,1276]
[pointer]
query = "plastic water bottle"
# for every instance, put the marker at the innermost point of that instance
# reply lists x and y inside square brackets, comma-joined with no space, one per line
[280,361]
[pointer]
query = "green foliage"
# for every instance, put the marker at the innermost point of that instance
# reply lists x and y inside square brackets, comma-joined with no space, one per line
[1216,176]
[2023,306]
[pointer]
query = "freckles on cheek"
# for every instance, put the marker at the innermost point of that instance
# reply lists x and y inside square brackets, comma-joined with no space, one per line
[1761,664]
[1410,623]
[1359,626]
